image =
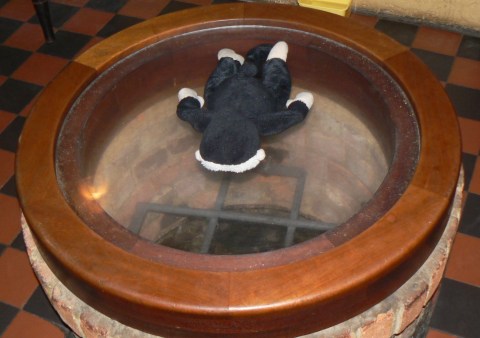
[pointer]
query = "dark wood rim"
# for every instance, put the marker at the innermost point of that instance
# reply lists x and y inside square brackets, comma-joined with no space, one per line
[286,300]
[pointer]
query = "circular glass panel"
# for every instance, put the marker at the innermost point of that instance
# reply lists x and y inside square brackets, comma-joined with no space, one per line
[123,154]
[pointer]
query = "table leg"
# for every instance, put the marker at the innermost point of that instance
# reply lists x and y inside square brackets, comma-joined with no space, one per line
[43,13]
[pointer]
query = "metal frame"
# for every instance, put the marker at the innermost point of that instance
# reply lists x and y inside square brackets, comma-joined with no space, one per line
[217,213]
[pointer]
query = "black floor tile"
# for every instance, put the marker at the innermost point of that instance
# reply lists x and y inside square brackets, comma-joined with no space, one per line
[106,5]
[470,47]
[59,13]
[39,305]
[3,2]
[470,222]
[465,100]
[439,64]
[18,243]
[118,23]
[2,249]
[402,32]
[174,6]
[468,162]
[66,45]
[15,95]
[7,27]
[7,314]
[457,309]
[71,334]
[11,58]
[9,136]
[10,188]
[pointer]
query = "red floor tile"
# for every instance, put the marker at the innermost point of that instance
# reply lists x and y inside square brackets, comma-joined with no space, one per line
[18,9]
[28,325]
[28,37]
[438,41]
[87,21]
[9,219]
[465,72]
[475,180]
[5,119]
[432,333]
[470,135]
[18,279]
[2,79]
[39,68]
[464,258]
[144,9]
[7,164]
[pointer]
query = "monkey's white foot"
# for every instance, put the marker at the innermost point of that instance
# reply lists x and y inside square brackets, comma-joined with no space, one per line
[227,52]
[279,51]
[304,97]
[188,92]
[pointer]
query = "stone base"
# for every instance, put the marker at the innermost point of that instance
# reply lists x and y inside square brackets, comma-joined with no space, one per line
[405,313]
[459,15]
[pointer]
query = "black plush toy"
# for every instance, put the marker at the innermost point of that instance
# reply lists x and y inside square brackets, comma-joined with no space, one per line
[244,99]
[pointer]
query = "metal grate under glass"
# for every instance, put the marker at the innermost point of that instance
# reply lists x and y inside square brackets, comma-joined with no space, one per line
[235,229]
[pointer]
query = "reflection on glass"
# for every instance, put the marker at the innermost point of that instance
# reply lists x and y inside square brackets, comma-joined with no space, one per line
[316,175]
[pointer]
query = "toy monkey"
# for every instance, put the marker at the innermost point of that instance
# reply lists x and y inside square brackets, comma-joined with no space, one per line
[245,98]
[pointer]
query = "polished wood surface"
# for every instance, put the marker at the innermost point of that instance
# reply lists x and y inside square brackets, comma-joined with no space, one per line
[286,299]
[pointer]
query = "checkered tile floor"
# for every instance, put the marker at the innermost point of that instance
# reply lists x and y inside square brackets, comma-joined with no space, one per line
[27,64]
